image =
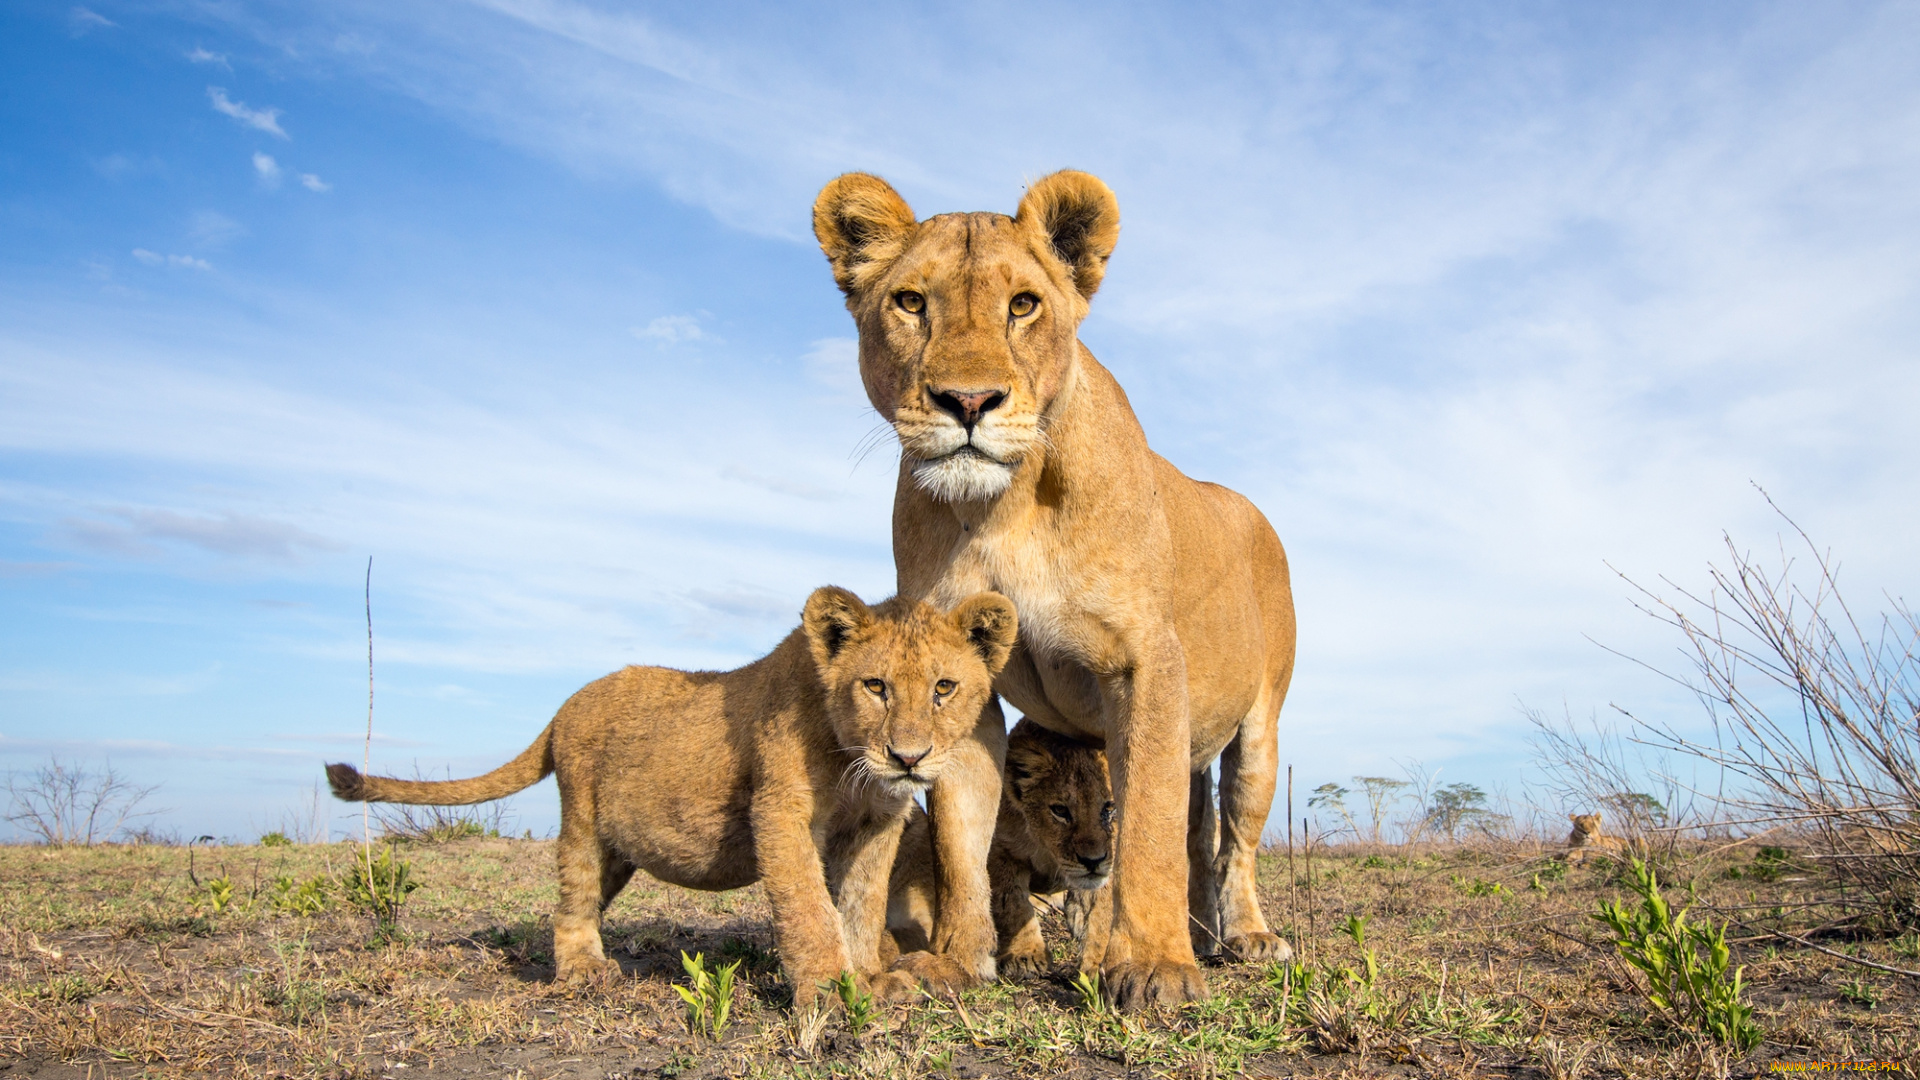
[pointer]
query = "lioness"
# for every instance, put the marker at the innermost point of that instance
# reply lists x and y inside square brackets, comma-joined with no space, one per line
[1054,832]
[714,780]
[1156,616]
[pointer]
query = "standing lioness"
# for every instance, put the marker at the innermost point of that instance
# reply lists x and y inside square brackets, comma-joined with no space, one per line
[796,770]
[1156,617]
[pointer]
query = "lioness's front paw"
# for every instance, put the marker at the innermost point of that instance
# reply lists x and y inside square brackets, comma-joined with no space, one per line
[1130,985]
[1019,963]
[942,976]
[1258,947]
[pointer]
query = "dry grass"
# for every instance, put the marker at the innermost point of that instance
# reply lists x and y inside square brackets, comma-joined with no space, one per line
[113,964]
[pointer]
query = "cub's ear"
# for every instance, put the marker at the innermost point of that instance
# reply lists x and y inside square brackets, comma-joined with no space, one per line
[1026,763]
[832,616]
[1081,220]
[862,225]
[990,624]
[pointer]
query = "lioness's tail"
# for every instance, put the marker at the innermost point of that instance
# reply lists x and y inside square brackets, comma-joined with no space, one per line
[532,766]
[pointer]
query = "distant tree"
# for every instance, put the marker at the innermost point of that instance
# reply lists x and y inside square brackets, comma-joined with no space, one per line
[64,805]
[1331,796]
[1454,805]
[1382,791]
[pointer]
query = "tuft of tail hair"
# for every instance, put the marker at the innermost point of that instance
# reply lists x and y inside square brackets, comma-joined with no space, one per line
[531,766]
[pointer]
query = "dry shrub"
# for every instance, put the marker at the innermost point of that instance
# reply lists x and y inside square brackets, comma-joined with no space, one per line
[64,805]
[1815,715]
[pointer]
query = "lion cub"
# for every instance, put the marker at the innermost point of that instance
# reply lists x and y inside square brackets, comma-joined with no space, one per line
[796,770]
[1586,839]
[1054,832]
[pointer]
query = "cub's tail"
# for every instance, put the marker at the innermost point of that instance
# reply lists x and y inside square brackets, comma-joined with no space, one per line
[532,766]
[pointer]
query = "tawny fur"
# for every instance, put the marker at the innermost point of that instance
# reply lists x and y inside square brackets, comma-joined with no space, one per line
[1054,833]
[796,770]
[1156,615]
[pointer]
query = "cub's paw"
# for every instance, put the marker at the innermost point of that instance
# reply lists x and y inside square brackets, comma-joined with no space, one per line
[588,971]
[1131,985]
[1258,947]
[942,976]
[893,987]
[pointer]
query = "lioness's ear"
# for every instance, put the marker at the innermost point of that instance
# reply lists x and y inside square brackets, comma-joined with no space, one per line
[990,624]
[862,225]
[1081,220]
[832,616]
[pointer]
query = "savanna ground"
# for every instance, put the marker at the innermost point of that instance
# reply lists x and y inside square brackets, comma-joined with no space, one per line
[113,962]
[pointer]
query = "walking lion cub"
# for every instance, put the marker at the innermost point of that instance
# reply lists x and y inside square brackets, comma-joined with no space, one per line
[796,770]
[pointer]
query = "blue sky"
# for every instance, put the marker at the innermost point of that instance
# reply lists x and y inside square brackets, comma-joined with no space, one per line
[517,298]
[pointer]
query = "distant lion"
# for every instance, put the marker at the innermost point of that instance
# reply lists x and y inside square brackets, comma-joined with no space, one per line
[796,771]
[1587,838]
[1054,832]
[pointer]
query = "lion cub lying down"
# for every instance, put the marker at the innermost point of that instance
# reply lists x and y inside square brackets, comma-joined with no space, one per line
[796,770]
[1586,838]
[1054,832]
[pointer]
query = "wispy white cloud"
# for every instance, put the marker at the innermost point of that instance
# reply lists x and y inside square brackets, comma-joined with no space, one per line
[212,229]
[672,329]
[267,120]
[314,183]
[82,20]
[200,55]
[139,532]
[267,169]
[185,262]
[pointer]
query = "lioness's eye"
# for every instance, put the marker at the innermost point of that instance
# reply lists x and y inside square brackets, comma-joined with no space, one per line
[1023,305]
[944,687]
[1061,812]
[911,302]
[876,686]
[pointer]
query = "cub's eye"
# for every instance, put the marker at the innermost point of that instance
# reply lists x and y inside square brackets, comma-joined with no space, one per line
[1023,305]
[944,687]
[1106,815]
[876,687]
[1060,811]
[910,302]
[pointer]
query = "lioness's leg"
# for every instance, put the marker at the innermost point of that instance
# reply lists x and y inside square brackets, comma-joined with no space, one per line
[576,923]
[1099,918]
[1149,956]
[1247,769]
[1203,891]
[963,805]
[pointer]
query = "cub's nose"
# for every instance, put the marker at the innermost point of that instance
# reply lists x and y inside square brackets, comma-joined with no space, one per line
[968,406]
[1093,863]
[907,758]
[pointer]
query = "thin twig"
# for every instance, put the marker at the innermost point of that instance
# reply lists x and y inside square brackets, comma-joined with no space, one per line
[1784,936]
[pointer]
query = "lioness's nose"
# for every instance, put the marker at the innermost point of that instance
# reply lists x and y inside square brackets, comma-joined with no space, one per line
[968,406]
[907,758]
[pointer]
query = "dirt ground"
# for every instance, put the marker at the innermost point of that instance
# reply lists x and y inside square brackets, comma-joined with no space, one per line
[115,963]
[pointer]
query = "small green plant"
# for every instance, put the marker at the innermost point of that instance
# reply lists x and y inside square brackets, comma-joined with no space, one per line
[301,898]
[756,956]
[710,998]
[379,886]
[276,839]
[219,892]
[1907,945]
[1860,992]
[1553,871]
[857,1002]
[1374,862]
[1087,985]
[1356,928]
[1683,964]
[1480,886]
